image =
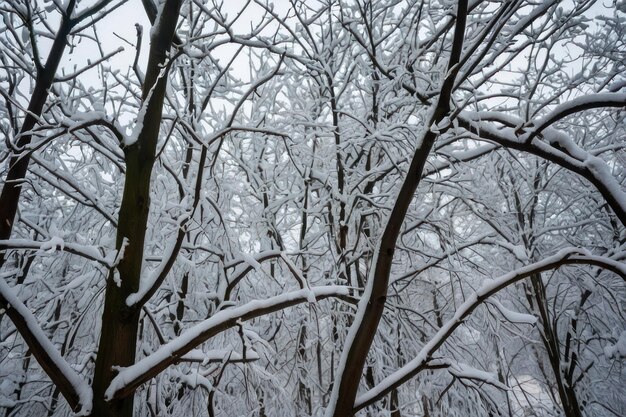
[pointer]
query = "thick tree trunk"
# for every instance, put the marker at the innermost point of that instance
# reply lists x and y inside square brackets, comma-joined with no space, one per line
[118,337]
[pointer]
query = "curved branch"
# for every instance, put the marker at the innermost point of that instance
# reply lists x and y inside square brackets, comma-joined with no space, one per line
[129,379]
[570,256]
[561,150]
[588,102]
[73,387]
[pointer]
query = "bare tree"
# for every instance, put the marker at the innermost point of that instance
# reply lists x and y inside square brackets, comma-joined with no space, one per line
[313,208]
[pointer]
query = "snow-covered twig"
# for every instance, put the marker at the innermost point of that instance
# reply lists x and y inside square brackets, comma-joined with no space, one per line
[556,147]
[128,379]
[591,101]
[568,256]
[74,388]
[89,252]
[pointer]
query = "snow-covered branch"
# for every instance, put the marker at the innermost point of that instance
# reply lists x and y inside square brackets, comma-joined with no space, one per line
[74,388]
[592,101]
[56,243]
[558,148]
[128,379]
[571,256]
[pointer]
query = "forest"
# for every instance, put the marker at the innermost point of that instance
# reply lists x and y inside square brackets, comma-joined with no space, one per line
[313,208]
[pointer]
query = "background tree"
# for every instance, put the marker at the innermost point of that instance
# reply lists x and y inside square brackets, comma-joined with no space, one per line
[448,175]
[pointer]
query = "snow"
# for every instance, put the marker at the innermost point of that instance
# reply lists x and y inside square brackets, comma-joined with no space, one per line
[252,260]
[365,297]
[349,341]
[514,316]
[52,245]
[472,301]
[601,170]
[520,252]
[81,387]
[582,102]
[157,21]
[222,320]
[132,138]
[219,355]
[81,119]
[248,259]
[301,279]
[193,379]
[618,350]
[117,279]
[463,371]
[57,243]
[560,147]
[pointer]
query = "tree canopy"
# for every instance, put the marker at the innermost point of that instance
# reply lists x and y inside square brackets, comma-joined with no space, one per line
[313,208]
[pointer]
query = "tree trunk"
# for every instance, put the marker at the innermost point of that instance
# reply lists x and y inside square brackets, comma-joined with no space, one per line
[372,304]
[567,394]
[118,337]
[18,162]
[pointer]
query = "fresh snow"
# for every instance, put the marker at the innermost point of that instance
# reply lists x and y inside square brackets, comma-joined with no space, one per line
[618,350]
[423,357]
[80,385]
[513,316]
[57,243]
[187,340]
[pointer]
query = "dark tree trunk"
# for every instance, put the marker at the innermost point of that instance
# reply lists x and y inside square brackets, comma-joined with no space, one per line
[19,159]
[120,323]
[375,295]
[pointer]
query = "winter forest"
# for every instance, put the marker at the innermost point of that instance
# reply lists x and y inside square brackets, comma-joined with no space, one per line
[323,208]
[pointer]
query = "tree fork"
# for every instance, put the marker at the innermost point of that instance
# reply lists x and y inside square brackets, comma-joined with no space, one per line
[372,304]
[120,323]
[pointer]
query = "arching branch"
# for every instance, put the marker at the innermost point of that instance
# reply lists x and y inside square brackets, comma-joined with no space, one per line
[571,256]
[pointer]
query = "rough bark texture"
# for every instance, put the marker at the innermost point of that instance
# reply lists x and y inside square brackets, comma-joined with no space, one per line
[118,338]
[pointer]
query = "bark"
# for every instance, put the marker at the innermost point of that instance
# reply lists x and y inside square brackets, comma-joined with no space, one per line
[567,394]
[372,304]
[120,323]
[20,158]
[539,302]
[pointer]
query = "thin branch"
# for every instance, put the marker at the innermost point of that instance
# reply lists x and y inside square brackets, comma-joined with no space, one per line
[74,388]
[570,256]
[129,379]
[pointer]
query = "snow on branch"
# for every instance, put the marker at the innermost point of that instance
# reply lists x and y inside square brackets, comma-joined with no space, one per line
[513,316]
[244,263]
[587,102]
[220,356]
[424,357]
[464,371]
[74,388]
[56,243]
[556,147]
[453,158]
[128,379]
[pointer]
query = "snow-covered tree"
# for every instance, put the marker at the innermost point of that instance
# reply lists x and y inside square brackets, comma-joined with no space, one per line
[312,208]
